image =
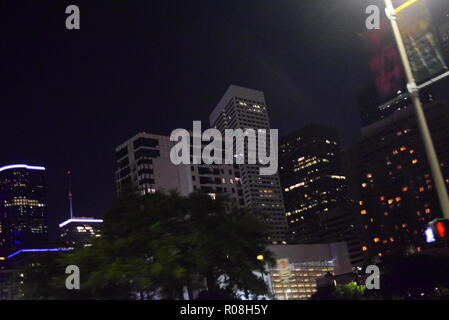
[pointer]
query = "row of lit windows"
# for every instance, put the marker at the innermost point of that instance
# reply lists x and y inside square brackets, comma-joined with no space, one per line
[21,201]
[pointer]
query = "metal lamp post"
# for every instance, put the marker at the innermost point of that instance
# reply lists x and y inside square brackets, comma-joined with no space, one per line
[413,89]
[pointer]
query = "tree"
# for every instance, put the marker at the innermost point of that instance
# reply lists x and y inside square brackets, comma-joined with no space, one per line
[349,291]
[156,245]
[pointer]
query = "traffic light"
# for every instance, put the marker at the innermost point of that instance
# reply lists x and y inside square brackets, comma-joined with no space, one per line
[437,230]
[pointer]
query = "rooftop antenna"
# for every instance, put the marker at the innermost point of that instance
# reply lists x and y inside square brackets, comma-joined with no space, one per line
[69,175]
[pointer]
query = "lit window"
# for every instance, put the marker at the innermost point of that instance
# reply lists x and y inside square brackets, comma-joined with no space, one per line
[376,240]
[363,212]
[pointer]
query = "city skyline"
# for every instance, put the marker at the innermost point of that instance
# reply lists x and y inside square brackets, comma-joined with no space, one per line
[196,150]
[76,121]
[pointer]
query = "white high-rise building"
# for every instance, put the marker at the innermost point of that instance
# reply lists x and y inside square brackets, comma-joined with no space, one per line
[144,161]
[242,108]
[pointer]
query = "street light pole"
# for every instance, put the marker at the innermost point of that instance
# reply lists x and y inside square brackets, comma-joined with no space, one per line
[413,89]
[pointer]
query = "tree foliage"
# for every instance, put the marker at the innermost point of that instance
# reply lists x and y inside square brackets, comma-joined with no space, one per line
[156,245]
[418,276]
[349,291]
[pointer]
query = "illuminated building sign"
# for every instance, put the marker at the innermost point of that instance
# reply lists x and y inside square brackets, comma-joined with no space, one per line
[39,250]
[80,220]
[21,166]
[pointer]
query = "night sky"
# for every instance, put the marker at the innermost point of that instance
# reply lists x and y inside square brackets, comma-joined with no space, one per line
[69,97]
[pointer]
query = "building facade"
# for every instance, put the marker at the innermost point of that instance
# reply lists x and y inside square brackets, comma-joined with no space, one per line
[144,160]
[373,107]
[79,232]
[243,108]
[391,182]
[307,263]
[318,208]
[23,208]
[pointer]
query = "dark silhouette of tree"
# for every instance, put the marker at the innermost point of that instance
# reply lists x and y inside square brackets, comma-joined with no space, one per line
[349,291]
[157,245]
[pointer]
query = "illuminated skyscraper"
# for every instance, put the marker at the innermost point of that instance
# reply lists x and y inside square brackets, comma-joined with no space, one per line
[242,108]
[79,232]
[318,207]
[23,218]
[391,182]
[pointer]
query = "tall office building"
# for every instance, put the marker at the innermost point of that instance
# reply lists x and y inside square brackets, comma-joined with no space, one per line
[373,108]
[389,176]
[439,11]
[144,160]
[242,108]
[23,205]
[387,92]
[317,206]
[391,181]
[79,232]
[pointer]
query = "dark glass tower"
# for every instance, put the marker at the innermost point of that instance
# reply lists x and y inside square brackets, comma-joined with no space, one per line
[390,179]
[23,218]
[317,207]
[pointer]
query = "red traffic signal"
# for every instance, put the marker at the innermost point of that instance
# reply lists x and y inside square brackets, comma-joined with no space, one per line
[441,229]
[438,230]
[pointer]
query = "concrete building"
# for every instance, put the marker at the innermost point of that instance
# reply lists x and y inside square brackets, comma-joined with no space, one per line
[306,264]
[144,160]
[243,108]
